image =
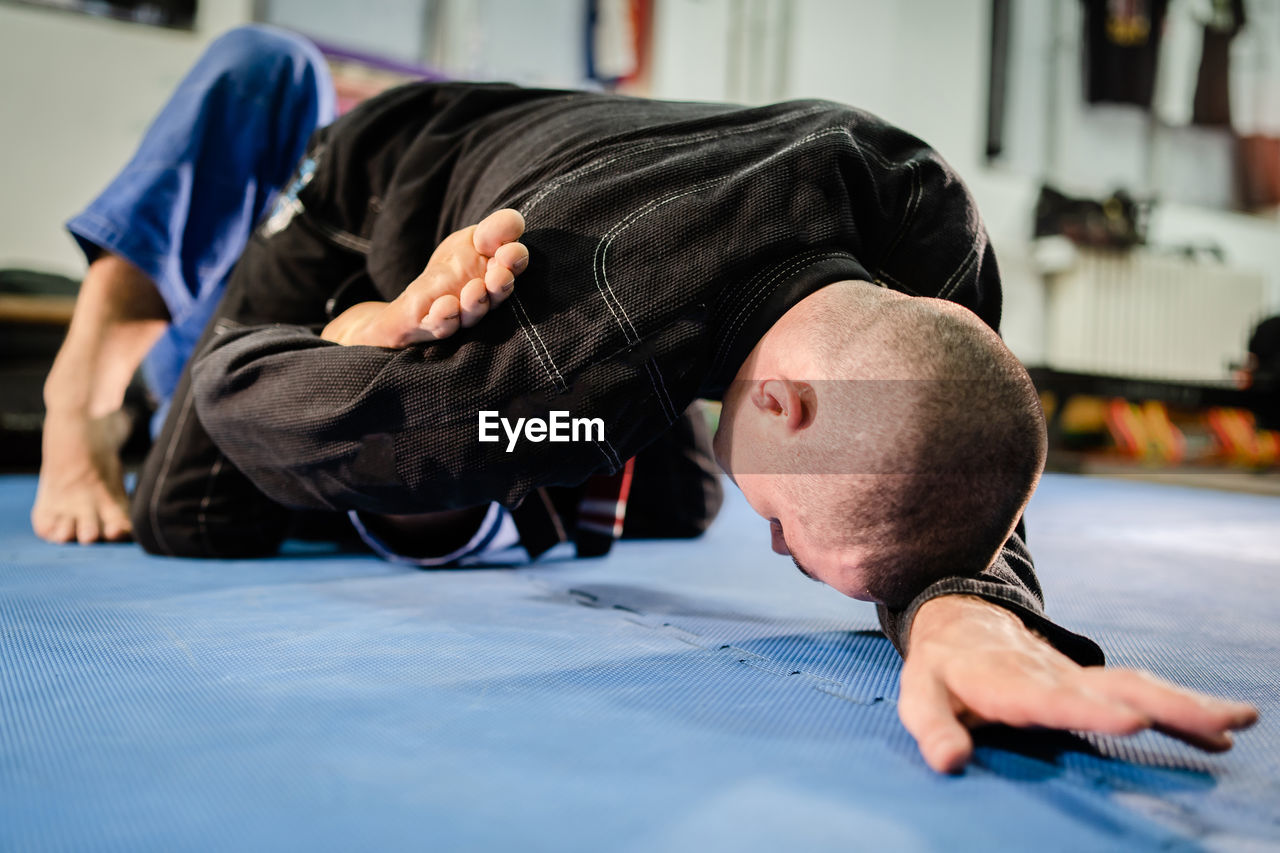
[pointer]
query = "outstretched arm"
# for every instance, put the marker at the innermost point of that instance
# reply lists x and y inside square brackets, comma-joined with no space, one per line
[971,662]
[980,650]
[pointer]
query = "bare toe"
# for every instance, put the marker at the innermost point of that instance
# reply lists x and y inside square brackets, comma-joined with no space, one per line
[499,281]
[61,530]
[87,528]
[475,302]
[115,531]
[513,256]
[444,317]
[116,526]
[499,227]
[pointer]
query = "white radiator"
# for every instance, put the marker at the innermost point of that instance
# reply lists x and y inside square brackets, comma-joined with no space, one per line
[1148,316]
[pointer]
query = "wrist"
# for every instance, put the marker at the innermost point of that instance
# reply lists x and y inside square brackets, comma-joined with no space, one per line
[938,614]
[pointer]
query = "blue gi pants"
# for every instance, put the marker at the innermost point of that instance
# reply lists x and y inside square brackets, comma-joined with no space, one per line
[204,174]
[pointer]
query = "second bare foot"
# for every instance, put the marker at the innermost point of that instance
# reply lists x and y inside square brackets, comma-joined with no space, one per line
[81,497]
[471,272]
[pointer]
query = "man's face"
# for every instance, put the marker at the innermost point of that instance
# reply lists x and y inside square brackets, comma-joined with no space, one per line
[748,446]
[792,535]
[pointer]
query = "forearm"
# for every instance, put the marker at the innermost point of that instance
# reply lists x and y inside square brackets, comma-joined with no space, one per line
[118,317]
[306,420]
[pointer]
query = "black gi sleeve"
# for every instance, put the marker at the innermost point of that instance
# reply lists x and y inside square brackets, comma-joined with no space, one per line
[1009,582]
[316,425]
[300,416]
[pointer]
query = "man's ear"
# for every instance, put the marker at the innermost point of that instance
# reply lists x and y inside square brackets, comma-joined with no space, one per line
[794,402]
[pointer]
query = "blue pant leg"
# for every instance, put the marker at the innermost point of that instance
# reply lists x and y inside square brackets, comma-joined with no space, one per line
[205,172]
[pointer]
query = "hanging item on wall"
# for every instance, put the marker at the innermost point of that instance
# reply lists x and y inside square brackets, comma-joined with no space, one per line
[1255,72]
[1179,65]
[176,14]
[1212,104]
[1197,69]
[1255,105]
[998,75]
[617,37]
[1121,49]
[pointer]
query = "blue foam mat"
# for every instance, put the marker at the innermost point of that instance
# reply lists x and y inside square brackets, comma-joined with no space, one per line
[674,696]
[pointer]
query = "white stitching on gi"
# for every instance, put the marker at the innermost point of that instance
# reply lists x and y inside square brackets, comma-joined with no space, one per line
[761,290]
[756,282]
[645,148]
[553,373]
[913,200]
[668,407]
[602,248]
[764,292]
[956,277]
[602,251]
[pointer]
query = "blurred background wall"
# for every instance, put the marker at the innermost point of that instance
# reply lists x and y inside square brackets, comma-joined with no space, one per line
[80,90]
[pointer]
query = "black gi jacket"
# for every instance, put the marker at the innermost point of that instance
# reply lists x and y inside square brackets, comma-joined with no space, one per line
[665,239]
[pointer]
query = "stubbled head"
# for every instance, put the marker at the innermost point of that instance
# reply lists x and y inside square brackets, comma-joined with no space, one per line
[889,440]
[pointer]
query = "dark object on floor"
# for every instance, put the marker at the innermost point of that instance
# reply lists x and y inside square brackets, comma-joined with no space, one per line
[1264,371]
[1117,222]
[34,310]
[1065,385]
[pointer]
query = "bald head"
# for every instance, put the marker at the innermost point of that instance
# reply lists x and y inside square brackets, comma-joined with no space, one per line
[919,441]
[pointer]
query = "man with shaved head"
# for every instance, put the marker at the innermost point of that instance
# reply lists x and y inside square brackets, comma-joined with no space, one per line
[451,256]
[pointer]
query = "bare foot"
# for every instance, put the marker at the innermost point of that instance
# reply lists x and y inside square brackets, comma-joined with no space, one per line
[471,271]
[81,494]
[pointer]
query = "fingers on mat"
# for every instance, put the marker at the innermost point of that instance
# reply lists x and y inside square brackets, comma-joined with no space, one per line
[1066,704]
[925,710]
[1186,714]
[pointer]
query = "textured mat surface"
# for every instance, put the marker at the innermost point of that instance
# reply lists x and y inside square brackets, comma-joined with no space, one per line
[679,696]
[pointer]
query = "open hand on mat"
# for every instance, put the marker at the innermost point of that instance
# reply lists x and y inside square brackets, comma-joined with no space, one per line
[970,663]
